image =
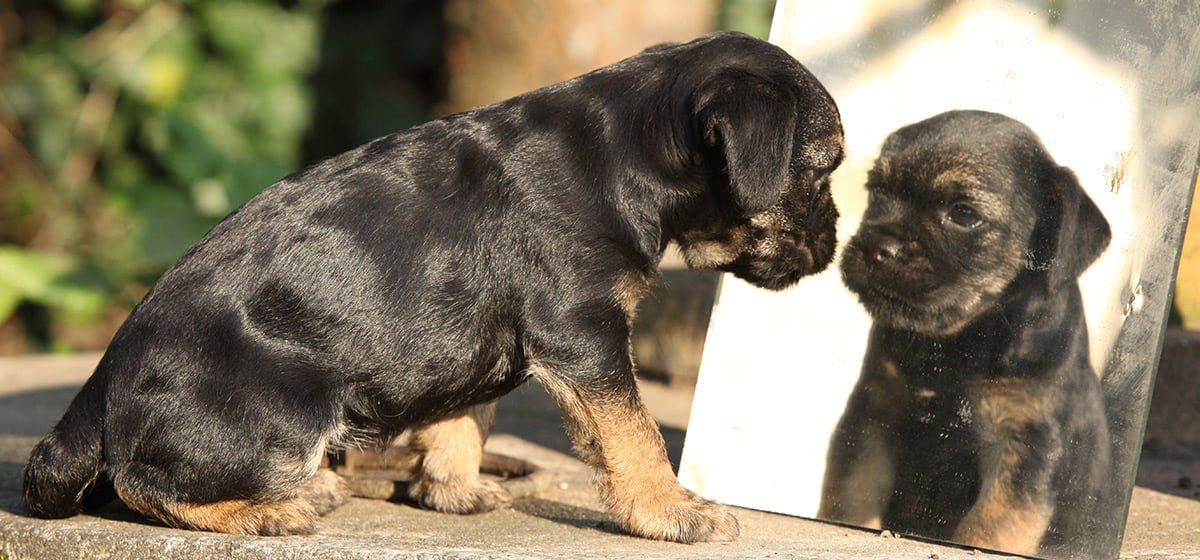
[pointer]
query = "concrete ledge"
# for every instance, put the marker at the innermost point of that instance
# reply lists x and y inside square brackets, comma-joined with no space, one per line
[565,522]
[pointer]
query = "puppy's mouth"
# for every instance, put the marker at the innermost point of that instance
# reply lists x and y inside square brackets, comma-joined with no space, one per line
[773,249]
[933,319]
[882,302]
[778,258]
[779,272]
[928,310]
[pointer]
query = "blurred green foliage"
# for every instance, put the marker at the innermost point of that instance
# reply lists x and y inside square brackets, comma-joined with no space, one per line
[380,71]
[42,278]
[752,17]
[130,127]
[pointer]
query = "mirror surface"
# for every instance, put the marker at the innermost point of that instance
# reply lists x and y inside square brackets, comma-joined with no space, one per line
[975,367]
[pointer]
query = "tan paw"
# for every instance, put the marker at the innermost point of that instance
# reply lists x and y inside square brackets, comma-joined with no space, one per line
[690,520]
[297,519]
[457,496]
[325,491]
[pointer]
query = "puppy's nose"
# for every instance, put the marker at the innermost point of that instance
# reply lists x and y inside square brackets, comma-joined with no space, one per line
[887,250]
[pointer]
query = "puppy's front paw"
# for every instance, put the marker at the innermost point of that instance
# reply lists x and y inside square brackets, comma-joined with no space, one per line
[459,496]
[325,491]
[689,520]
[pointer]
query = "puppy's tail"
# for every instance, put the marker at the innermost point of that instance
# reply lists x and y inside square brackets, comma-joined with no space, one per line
[64,467]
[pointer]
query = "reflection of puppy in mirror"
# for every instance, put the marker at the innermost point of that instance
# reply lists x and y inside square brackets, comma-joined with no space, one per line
[977,417]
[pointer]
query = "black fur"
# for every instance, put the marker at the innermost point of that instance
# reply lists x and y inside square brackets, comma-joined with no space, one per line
[423,272]
[978,358]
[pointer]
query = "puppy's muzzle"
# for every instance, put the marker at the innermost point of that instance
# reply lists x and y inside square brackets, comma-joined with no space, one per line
[876,258]
[886,250]
[791,258]
[782,253]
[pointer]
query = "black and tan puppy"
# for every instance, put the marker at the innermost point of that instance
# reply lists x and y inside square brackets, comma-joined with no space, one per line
[412,281]
[977,417]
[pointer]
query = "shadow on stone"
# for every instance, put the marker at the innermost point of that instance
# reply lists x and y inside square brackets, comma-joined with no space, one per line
[1175,475]
[566,514]
[103,504]
[530,414]
[10,488]
[33,413]
[1170,457]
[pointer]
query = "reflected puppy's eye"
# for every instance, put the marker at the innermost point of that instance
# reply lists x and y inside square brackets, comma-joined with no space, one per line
[962,215]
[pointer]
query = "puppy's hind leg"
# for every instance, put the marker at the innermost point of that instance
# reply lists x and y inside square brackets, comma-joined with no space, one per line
[287,509]
[447,476]
[290,516]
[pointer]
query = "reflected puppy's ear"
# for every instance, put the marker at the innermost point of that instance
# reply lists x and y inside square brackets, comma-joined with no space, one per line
[753,123]
[1077,232]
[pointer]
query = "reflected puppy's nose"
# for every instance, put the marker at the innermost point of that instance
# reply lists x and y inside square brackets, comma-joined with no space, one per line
[887,249]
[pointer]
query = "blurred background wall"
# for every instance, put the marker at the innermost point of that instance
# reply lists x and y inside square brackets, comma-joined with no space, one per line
[129,127]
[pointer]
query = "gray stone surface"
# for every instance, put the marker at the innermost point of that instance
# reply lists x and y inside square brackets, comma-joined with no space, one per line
[564,522]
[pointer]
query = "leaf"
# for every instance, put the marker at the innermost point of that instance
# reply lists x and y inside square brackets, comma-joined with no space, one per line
[79,8]
[239,28]
[9,299]
[163,79]
[45,278]
[167,224]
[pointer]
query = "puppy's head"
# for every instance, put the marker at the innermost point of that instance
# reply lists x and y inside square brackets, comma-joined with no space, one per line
[770,135]
[960,206]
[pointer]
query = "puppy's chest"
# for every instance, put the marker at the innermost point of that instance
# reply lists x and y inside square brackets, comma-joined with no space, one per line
[935,398]
[933,435]
[950,402]
[936,410]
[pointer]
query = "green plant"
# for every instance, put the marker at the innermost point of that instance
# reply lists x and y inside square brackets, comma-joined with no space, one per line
[752,17]
[129,127]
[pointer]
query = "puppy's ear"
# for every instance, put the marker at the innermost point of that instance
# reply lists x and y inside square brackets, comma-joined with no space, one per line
[753,123]
[1081,235]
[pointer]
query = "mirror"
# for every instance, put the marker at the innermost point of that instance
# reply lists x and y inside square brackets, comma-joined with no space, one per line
[975,367]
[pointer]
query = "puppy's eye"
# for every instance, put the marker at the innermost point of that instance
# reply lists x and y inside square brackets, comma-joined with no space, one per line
[964,216]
